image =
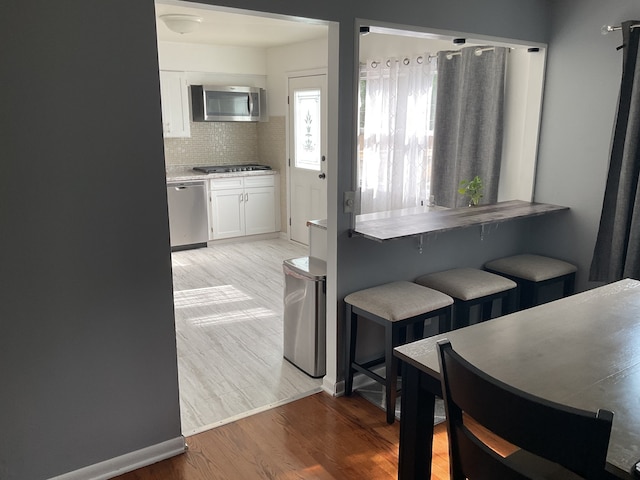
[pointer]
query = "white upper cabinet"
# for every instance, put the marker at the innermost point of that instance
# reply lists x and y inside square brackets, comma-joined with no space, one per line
[174,95]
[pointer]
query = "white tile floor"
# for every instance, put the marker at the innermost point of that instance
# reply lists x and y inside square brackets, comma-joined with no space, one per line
[228,304]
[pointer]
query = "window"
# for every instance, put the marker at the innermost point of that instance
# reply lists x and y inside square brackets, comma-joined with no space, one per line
[307,129]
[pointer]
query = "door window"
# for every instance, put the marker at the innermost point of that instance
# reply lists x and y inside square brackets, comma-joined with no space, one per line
[307,132]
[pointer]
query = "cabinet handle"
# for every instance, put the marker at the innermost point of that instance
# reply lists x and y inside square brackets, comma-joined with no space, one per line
[241,197]
[321,176]
[246,197]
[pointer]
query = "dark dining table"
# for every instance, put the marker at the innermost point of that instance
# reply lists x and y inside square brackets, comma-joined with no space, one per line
[582,351]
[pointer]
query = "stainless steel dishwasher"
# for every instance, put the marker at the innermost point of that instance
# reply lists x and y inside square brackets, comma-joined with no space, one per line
[187,214]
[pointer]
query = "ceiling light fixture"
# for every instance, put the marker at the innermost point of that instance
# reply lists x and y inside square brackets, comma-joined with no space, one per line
[181,23]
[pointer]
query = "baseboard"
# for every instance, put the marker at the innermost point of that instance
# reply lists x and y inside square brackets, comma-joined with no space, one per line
[246,238]
[127,462]
[333,388]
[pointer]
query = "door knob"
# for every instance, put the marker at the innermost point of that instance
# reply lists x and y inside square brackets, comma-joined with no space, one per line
[322,176]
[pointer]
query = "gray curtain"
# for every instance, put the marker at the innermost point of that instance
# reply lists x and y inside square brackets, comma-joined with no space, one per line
[617,251]
[469,123]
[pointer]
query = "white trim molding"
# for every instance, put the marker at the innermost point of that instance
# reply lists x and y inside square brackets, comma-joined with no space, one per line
[128,462]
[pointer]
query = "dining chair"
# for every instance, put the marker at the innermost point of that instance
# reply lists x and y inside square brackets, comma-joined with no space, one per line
[550,440]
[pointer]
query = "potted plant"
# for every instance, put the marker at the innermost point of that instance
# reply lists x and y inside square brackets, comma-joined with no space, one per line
[471,189]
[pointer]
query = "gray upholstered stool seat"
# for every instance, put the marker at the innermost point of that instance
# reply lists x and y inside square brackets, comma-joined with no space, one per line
[395,306]
[469,287]
[531,272]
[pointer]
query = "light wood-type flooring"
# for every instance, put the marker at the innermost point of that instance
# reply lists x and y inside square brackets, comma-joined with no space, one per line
[318,437]
[229,321]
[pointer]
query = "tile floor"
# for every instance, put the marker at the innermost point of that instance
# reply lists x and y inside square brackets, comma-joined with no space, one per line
[228,305]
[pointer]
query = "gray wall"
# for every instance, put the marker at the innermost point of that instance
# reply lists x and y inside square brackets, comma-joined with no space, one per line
[88,366]
[87,347]
[581,94]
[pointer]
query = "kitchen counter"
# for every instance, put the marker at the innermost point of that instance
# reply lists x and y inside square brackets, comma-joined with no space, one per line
[186,174]
[425,220]
[318,238]
[322,224]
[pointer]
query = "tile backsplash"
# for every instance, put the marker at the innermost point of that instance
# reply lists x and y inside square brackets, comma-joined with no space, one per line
[214,143]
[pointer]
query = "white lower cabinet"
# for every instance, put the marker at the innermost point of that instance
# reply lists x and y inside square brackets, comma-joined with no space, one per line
[227,213]
[242,206]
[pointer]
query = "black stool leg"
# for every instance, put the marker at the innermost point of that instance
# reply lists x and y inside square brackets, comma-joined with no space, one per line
[418,330]
[391,340]
[487,310]
[569,284]
[510,301]
[528,294]
[461,315]
[535,294]
[444,321]
[350,340]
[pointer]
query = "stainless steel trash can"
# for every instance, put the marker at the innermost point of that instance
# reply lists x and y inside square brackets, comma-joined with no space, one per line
[305,314]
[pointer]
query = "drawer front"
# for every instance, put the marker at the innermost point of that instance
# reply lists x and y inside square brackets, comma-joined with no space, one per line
[226,183]
[259,181]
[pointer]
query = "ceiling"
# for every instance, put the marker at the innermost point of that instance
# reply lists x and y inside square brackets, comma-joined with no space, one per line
[237,29]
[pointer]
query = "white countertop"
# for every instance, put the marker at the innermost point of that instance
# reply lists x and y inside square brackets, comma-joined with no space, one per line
[322,224]
[186,174]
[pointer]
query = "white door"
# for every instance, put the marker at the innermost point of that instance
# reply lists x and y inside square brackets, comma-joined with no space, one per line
[307,153]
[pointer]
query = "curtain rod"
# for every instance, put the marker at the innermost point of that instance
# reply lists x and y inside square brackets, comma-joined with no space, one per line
[610,28]
[405,60]
[478,51]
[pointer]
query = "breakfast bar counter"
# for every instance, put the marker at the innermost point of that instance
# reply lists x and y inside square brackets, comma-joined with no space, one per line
[418,221]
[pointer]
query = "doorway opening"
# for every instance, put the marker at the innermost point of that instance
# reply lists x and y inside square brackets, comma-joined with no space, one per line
[228,296]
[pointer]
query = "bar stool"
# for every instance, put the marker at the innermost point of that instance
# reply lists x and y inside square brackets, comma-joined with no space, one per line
[395,306]
[532,272]
[470,287]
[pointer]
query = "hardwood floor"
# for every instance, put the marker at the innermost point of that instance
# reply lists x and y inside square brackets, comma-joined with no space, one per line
[317,437]
[228,307]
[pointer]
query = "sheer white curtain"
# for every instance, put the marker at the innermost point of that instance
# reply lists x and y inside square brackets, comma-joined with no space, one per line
[397,132]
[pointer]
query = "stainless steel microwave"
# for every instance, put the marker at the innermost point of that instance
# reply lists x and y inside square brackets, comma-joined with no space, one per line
[227,104]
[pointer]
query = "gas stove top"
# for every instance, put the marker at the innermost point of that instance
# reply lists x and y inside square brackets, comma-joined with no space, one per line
[251,167]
